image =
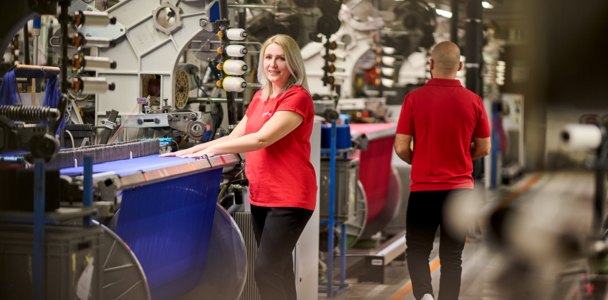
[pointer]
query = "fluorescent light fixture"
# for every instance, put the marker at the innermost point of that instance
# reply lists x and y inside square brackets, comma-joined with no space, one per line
[487,5]
[444,13]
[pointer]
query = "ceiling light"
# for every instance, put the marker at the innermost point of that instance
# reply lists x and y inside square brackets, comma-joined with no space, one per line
[487,5]
[444,13]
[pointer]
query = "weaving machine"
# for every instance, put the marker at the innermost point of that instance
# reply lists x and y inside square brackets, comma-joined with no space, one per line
[168,211]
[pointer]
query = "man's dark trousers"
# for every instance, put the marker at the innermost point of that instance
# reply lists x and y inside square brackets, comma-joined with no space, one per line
[424,215]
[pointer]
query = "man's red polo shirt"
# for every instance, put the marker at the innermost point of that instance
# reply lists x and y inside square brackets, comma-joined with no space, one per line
[443,117]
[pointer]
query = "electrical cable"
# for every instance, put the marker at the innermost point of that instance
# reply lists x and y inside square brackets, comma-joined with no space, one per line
[71,138]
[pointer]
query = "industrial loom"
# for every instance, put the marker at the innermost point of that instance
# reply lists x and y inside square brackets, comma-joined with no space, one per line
[169,227]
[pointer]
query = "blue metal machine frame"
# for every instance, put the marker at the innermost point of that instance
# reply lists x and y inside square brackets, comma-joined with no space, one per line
[333,152]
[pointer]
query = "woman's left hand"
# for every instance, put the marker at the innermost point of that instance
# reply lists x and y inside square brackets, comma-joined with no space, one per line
[204,153]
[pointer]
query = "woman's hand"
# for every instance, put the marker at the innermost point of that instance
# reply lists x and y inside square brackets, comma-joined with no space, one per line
[203,153]
[181,152]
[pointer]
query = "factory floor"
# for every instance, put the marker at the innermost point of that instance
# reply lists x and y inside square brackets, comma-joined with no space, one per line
[490,272]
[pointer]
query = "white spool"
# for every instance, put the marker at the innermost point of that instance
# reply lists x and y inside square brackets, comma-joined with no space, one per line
[388,82]
[388,61]
[236,50]
[236,34]
[388,50]
[234,84]
[581,136]
[100,42]
[388,71]
[234,67]
[93,63]
[96,18]
[94,85]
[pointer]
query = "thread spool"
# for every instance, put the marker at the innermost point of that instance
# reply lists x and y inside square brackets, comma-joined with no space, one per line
[388,61]
[581,136]
[234,67]
[93,85]
[234,84]
[388,71]
[93,18]
[100,42]
[236,50]
[92,63]
[388,82]
[236,34]
[388,50]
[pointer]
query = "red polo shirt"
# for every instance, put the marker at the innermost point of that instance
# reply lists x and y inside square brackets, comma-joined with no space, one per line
[443,117]
[281,175]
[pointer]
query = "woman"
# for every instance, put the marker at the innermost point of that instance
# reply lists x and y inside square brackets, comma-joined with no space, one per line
[275,133]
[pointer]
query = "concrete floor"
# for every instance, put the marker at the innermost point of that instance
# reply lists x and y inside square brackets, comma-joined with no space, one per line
[553,202]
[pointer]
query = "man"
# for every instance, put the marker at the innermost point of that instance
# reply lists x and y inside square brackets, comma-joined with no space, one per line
[443,118]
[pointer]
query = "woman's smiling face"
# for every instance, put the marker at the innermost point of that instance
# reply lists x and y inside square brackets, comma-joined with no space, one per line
[275,65]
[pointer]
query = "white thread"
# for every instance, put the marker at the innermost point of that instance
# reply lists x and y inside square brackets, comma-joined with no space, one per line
[236,34]
[388,50]
[93,18]
[581,136]
[388,82]
[236,50]
[388,71]
[388,61]
[234,84]
[234,67]
[75,163]
[94,85]
[131,154]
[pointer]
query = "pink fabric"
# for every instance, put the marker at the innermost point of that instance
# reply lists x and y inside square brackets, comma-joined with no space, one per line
[367,128]
[375,167]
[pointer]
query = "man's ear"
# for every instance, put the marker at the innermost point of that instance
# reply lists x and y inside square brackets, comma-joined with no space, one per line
[460,66]
[432,64]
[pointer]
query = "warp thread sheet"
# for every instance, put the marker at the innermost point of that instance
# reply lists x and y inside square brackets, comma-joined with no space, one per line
[168,225]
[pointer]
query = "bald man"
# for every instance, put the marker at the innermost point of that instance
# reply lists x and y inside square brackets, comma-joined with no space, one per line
[449,129]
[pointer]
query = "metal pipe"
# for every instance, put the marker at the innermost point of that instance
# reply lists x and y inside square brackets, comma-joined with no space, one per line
[474,44]
[251,6]
[26,45]
[454,21]
[38,259]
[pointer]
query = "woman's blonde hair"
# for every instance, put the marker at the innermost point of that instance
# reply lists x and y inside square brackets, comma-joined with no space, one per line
[293,59]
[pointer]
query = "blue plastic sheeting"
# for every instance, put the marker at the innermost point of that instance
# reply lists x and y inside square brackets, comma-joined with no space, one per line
[168,225]
[51,98]
[130,166]
[8,89]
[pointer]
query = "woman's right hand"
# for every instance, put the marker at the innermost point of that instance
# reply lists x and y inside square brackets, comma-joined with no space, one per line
[181,152]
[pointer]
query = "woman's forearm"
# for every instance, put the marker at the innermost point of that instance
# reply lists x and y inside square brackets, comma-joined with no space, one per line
[206,145]
[246,143]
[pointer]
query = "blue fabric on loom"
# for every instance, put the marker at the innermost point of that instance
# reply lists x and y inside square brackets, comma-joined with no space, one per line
[51,98]
[8,89]
[130,166]
[167,225]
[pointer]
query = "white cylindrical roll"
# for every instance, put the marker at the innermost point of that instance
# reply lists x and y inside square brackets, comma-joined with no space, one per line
[234,67]
[236,34]
[234,84]
[96,18]
[581,136]
[99,42]
[92,63]
[388,50]
[388,71]
[388,82]
[388,61]
[94,85]
[236,50]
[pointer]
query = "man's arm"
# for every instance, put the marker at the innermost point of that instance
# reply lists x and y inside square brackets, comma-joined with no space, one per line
[402,147]
[480,147]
